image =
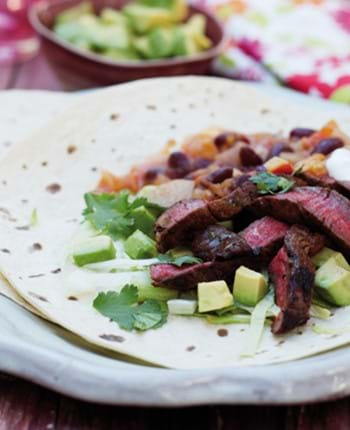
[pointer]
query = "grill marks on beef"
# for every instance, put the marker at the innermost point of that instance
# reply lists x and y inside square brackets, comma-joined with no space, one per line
[325,181]
[229,206]
[176,224]
[265,236]
[325,209]
[219,243]
[292,273]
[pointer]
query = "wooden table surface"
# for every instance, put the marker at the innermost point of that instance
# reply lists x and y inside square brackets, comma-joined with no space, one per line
[25,406]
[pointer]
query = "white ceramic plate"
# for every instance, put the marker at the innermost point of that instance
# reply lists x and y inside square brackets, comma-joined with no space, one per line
[48,355]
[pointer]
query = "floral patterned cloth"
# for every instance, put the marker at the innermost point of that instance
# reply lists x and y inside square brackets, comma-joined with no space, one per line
[304,44]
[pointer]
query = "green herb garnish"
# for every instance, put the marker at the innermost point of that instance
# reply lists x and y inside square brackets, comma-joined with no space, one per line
[111,214]
[269,183]
[178,261]
[124,309]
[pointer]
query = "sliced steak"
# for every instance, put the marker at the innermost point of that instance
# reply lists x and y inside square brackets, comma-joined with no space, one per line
[229,206]
[265,236]
[326,181]
[187,277]
[327,210]
[219,243]
[175,225]
[292,273]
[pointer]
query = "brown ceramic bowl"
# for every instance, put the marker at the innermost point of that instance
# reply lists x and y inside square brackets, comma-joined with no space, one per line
[80,69]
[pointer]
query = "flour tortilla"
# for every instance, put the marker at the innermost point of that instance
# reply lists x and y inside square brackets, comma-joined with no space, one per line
[112,129]
[22,113]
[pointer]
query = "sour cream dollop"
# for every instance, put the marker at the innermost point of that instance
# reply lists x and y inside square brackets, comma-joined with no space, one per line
[338,164]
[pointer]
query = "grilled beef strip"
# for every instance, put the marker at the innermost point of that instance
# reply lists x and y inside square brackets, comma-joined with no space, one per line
[326,181]
[188,276]
[325,209]
[175,225]
[217,243]
[265,236]
[293,273]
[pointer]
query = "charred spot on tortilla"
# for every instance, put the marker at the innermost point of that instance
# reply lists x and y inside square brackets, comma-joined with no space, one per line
[7,143]
[172,127]
[173,110]
[35,247]
[114,116]
[191,106]
[151,107]
[112,338]
[44,163]
[73,220]
[39,275]
[71,149]
[53,188]
[58,270]
[264,111]
[4,183]
[93,169]
[23,228]
[5,251]
[38,296]
[73,298]
[222,332]
[24,167]
[190,348]
[24,201]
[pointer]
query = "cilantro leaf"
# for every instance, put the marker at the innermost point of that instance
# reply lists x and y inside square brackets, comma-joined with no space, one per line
[269,183]
[112,213]
[123,309]
[179,261]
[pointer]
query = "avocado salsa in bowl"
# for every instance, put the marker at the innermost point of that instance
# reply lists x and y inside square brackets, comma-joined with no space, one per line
[102,42]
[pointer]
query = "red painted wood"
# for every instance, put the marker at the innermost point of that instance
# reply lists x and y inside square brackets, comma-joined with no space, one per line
[25,406]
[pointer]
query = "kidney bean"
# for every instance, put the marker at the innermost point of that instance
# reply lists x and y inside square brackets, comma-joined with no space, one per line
[225,140]
[151,174]
[179,160]
[326,146]
[299,132]
[200,163]
[249,157]
[278,148]
[219,175]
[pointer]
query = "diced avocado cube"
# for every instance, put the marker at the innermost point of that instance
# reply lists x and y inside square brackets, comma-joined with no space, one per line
[249,286]
[333,283]
[110,16]
[138,246]
[143,18]
[94,250]
[213,295]
[105,37]
[325,254]
[182,307]
[144,220]
[183,43]
[73,13]
[141,45]
[161,42]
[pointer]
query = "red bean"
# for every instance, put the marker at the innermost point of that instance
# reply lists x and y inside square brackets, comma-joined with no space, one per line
[326,146]
[179,160]
[151,174]
[278,148]
[219,175]
[299,132]
[200,163]
[249,157]
[225,140]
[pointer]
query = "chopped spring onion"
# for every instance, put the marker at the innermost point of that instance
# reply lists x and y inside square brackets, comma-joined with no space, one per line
[228,319]
[182,307]
[147,292]
[121,265]
[256,327]
[320,312]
